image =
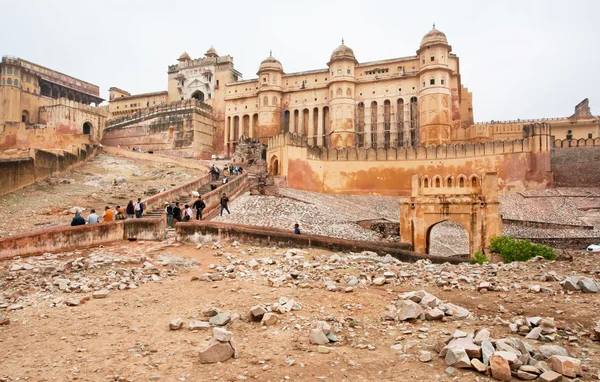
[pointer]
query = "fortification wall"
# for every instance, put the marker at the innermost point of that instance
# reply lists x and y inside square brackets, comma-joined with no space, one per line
[18,135]
[16,173]
[185,131]
[69,117]
[575,163]
[389,172]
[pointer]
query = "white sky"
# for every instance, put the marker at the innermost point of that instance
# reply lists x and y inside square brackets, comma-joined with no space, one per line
[521,59]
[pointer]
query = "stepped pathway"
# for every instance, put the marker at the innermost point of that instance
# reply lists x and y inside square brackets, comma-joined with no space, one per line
[184,199]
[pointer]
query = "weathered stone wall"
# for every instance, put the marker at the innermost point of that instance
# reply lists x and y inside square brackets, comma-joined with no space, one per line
[16,173]
[185,130]
[272,236]
[57,239]
[575,163]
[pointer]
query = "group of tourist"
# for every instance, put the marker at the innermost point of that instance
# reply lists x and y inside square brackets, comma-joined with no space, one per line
[228,170]
[118,213]
[176,214]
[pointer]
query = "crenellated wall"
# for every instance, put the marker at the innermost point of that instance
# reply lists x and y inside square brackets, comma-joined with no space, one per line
[521,164]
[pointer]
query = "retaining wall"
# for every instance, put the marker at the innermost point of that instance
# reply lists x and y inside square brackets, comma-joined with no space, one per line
[271,236]
[16,173]
[576,165]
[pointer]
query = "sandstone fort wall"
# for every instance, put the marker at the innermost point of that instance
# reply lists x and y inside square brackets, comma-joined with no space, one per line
[521,164]
[184,129]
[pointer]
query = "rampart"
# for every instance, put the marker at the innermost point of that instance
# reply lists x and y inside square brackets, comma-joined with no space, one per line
[16,173]
[521,164]
[182,128]
[186,232]
[63,238]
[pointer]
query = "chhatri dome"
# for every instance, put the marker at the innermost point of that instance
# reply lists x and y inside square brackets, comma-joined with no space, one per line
[212,52]
[270,63]
[434,36]
[184,57]
[342,52]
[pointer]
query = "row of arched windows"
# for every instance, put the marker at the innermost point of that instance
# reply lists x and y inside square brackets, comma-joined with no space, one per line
[10,81]
[9,70]
[437,182]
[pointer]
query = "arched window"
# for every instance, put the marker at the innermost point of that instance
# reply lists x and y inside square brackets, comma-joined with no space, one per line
[426,182]
[449,183]
[461,181]
[25,116]
[438,183]
[9,81]
[274,101]
[474,181]
[9,70]
[348,92]
[266,101]
[338,92]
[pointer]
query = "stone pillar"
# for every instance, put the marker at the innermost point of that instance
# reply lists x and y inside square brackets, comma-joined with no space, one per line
[310,132]
[251,124]
[320,127]
[292,121]
[368,127]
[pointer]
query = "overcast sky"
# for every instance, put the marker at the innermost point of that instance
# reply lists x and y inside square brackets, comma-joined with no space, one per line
[521,59]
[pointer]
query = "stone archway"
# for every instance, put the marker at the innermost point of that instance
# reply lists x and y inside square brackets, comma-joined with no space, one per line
[447,238]
[274,166]
[87,128]
[473,206]
[198,95]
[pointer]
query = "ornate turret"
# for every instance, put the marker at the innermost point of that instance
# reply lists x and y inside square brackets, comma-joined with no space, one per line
[184,57]
[341,97]
[270,93]
[435,100]
[211,52]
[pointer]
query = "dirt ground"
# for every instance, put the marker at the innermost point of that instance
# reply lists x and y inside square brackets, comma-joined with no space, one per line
[92,185]
[126,336]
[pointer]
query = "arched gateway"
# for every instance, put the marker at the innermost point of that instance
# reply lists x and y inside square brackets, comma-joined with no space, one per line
[473,205]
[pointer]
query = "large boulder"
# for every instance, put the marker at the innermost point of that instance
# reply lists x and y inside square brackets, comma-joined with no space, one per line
[409,310]
[216,352]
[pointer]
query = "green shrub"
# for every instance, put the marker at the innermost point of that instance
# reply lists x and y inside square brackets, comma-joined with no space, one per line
[480,258]
[519,250]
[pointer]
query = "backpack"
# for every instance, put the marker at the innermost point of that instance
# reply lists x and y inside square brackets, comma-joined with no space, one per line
[120,216]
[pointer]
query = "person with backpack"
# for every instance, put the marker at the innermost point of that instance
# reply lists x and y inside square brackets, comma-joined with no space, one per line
[139,208]
[177,212]
[120,214]
[130,210]
[169,211]
[224,201]
[199,206]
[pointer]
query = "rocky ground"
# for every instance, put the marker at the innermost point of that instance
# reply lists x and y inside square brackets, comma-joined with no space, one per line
[146,311]
[101,181]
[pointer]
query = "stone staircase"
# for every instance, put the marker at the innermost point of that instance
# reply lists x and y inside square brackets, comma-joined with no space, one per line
[184,199]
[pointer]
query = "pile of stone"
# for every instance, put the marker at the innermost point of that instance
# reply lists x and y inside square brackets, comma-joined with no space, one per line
[421,305]
[584,284]
[98,273]
[220,348]
[533,328]
[321,334]
[266,313]
[506,358]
